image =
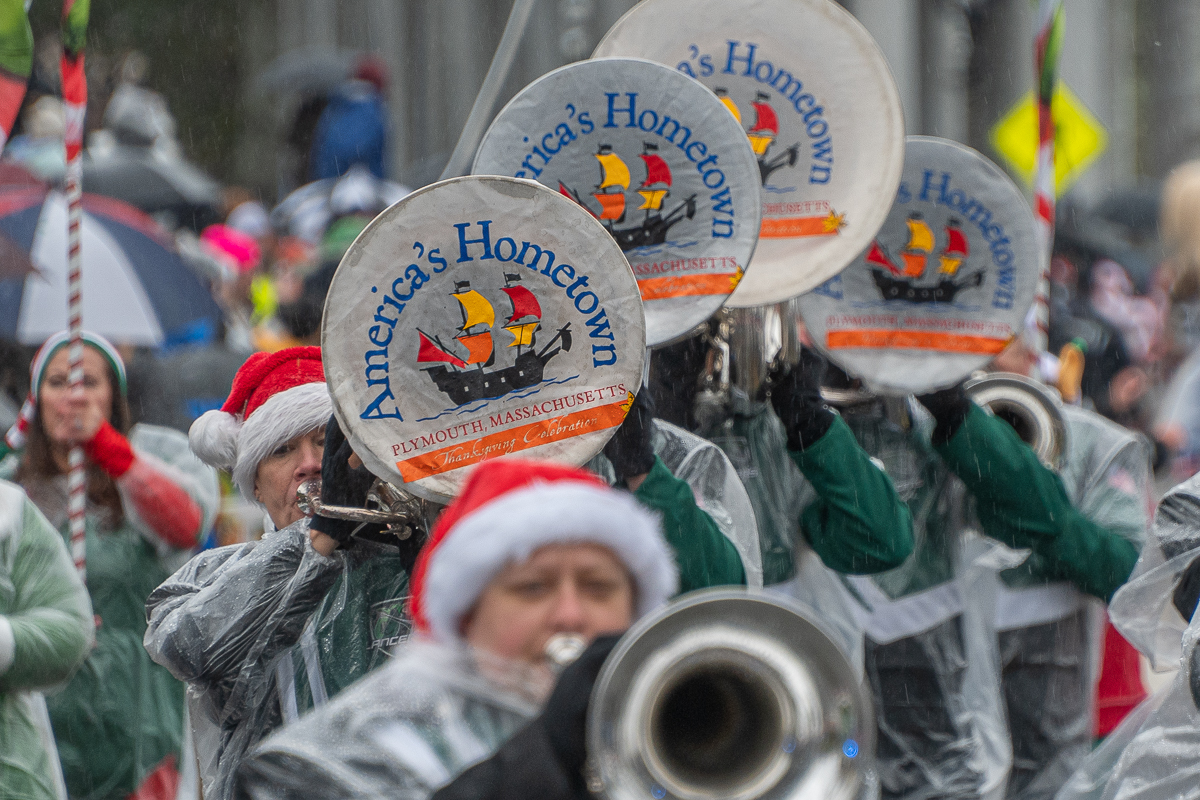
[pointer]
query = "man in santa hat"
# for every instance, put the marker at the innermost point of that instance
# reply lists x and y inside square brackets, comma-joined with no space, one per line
[529,550]
[264,631]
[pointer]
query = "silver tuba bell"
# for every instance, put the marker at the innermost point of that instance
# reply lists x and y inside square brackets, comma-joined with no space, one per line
[1033,410]
[727,695]
[397,510]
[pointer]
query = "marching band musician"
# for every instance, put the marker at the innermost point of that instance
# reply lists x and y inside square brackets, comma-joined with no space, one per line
[1048,634]
[823,483]
[527,550]
[264,631]
[930,649]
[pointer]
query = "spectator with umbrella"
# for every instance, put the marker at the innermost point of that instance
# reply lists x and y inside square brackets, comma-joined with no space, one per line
[119,721]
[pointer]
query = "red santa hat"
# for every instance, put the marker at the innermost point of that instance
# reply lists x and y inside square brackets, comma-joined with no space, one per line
[275,397]
[507,509]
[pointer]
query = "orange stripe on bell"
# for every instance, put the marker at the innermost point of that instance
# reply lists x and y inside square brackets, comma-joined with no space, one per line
[913,340]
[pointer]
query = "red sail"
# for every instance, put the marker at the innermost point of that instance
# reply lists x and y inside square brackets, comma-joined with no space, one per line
[657,170]
[431,353]
[957,245]
[876,257]
[523,302]
[765,119]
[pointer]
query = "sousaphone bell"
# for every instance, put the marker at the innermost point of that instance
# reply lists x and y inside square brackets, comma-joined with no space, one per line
[1032,409]
[728,695]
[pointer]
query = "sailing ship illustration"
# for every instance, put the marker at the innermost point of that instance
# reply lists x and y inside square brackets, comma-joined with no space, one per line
[762,133]
[615,180]
[467,379]
[898,282]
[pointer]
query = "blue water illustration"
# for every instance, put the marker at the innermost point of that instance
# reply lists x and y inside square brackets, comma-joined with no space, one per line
[656,249]
[467,408]
[779,189]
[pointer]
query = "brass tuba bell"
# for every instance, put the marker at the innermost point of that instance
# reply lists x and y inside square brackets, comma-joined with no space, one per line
[727,695]
[1033,410]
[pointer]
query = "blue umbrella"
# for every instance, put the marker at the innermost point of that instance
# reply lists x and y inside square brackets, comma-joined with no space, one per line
[136,289]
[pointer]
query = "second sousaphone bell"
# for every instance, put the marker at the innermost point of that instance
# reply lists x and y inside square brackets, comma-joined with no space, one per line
[1033,410]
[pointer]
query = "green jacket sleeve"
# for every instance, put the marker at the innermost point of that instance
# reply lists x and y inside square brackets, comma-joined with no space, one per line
[705,557]
[1023,504]
[51,616]
[857,524]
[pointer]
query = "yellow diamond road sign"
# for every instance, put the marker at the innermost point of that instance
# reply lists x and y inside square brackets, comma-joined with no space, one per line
[1079,137]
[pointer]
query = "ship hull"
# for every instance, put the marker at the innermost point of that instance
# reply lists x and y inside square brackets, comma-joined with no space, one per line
[944,291]
[654,230]
[469,386]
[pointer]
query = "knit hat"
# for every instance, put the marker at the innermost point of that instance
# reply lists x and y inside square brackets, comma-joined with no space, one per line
[275,397]
[15,438]
[507,509]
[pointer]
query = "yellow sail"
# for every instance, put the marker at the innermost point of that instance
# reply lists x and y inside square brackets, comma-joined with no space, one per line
[949,265]
[920,238]
[759,142]
[653,199]
[615,171]
[523,333]
[732,106]
[479,311]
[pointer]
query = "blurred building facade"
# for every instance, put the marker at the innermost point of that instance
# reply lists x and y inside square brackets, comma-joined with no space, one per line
[960,66]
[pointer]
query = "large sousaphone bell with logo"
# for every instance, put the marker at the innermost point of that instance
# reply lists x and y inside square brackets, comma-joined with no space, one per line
[729,695]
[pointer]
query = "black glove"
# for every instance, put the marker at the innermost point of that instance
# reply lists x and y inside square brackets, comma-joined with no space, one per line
[949,408]
[545,759]
[342,486]
[1187,591]
[796,395]
[565,716]
[629,449]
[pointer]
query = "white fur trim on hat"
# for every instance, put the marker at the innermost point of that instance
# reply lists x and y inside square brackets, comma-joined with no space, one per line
[214,438]
[286,415]
[511,527]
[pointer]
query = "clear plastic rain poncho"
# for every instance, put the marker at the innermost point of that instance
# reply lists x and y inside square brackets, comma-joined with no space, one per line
[754,441]
[46,623]
[1154,754]
[924,629]
[930,648]
[1050,634]
[1142,610]
[402,732]
[264,631]
[715,485]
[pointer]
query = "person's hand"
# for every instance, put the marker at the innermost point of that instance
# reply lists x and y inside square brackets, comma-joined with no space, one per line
[342,484]
[630,449]
[949,408]
[795,391]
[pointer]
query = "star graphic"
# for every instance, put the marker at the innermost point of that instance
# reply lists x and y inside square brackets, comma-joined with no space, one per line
[833,223]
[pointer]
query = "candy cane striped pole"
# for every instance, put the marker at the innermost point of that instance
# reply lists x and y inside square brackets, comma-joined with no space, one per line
[1046,48]
[75,101]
